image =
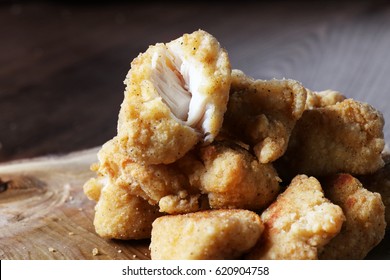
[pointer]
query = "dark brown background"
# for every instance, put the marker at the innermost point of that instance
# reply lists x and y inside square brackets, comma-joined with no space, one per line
[62,64]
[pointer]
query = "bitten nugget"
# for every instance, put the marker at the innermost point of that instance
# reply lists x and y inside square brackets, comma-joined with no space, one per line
[365,222]
[344,137]
[299,223]
[205,235]
[176,95]
[263,113]
[233,178]
[120,215]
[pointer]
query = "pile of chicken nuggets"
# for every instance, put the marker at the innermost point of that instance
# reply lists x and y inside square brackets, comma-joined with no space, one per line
[212,164]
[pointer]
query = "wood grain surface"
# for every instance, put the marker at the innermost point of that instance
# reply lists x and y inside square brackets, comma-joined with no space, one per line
[62,67]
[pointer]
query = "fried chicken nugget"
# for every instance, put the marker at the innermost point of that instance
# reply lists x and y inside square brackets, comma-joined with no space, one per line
[263,113]
[205,235]
[176,95]
[120,215]
[233,178]
[344,137]
[299,223]
[365,222]
[163,185]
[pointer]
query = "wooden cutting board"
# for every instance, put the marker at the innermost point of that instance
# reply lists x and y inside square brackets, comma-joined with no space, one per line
[44,213]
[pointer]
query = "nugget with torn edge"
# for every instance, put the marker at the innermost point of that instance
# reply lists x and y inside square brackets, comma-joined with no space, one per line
[365,222]
[176,95]
[205,235]
[344,137]
[234,178]
[263,113]
[299,223]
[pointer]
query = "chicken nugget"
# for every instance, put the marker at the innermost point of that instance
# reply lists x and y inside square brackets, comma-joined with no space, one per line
[120,215]
[299,223]
[263,113]
[344,137]
[365,222]
[205,235]
[176,95]
[150,182]
[233,178]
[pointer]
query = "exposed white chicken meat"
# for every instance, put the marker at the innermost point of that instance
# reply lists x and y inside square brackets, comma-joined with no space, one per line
[176,96]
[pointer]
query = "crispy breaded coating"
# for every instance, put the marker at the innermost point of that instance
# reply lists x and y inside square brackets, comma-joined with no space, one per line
[150,182]
[120,215]
[365,222]
[205,235]
[344,137]
[323,98]
[263,113]
[299,223]
[379,182]
[176,95]
[233,178]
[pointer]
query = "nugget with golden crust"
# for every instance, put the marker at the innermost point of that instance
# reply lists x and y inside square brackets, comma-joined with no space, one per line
[344,137]
[365,222]
[120,215]
[176,95]
[205,235]
[380,182]
[263,113]
[153,183]
[299,223]
[233,178]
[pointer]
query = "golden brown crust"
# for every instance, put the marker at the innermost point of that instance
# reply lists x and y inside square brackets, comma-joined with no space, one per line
[205,235]
[233,178]
[365,222]
[120,215]
[149,182]
[344,137]
[148,130]
[263,113]
[299,223]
